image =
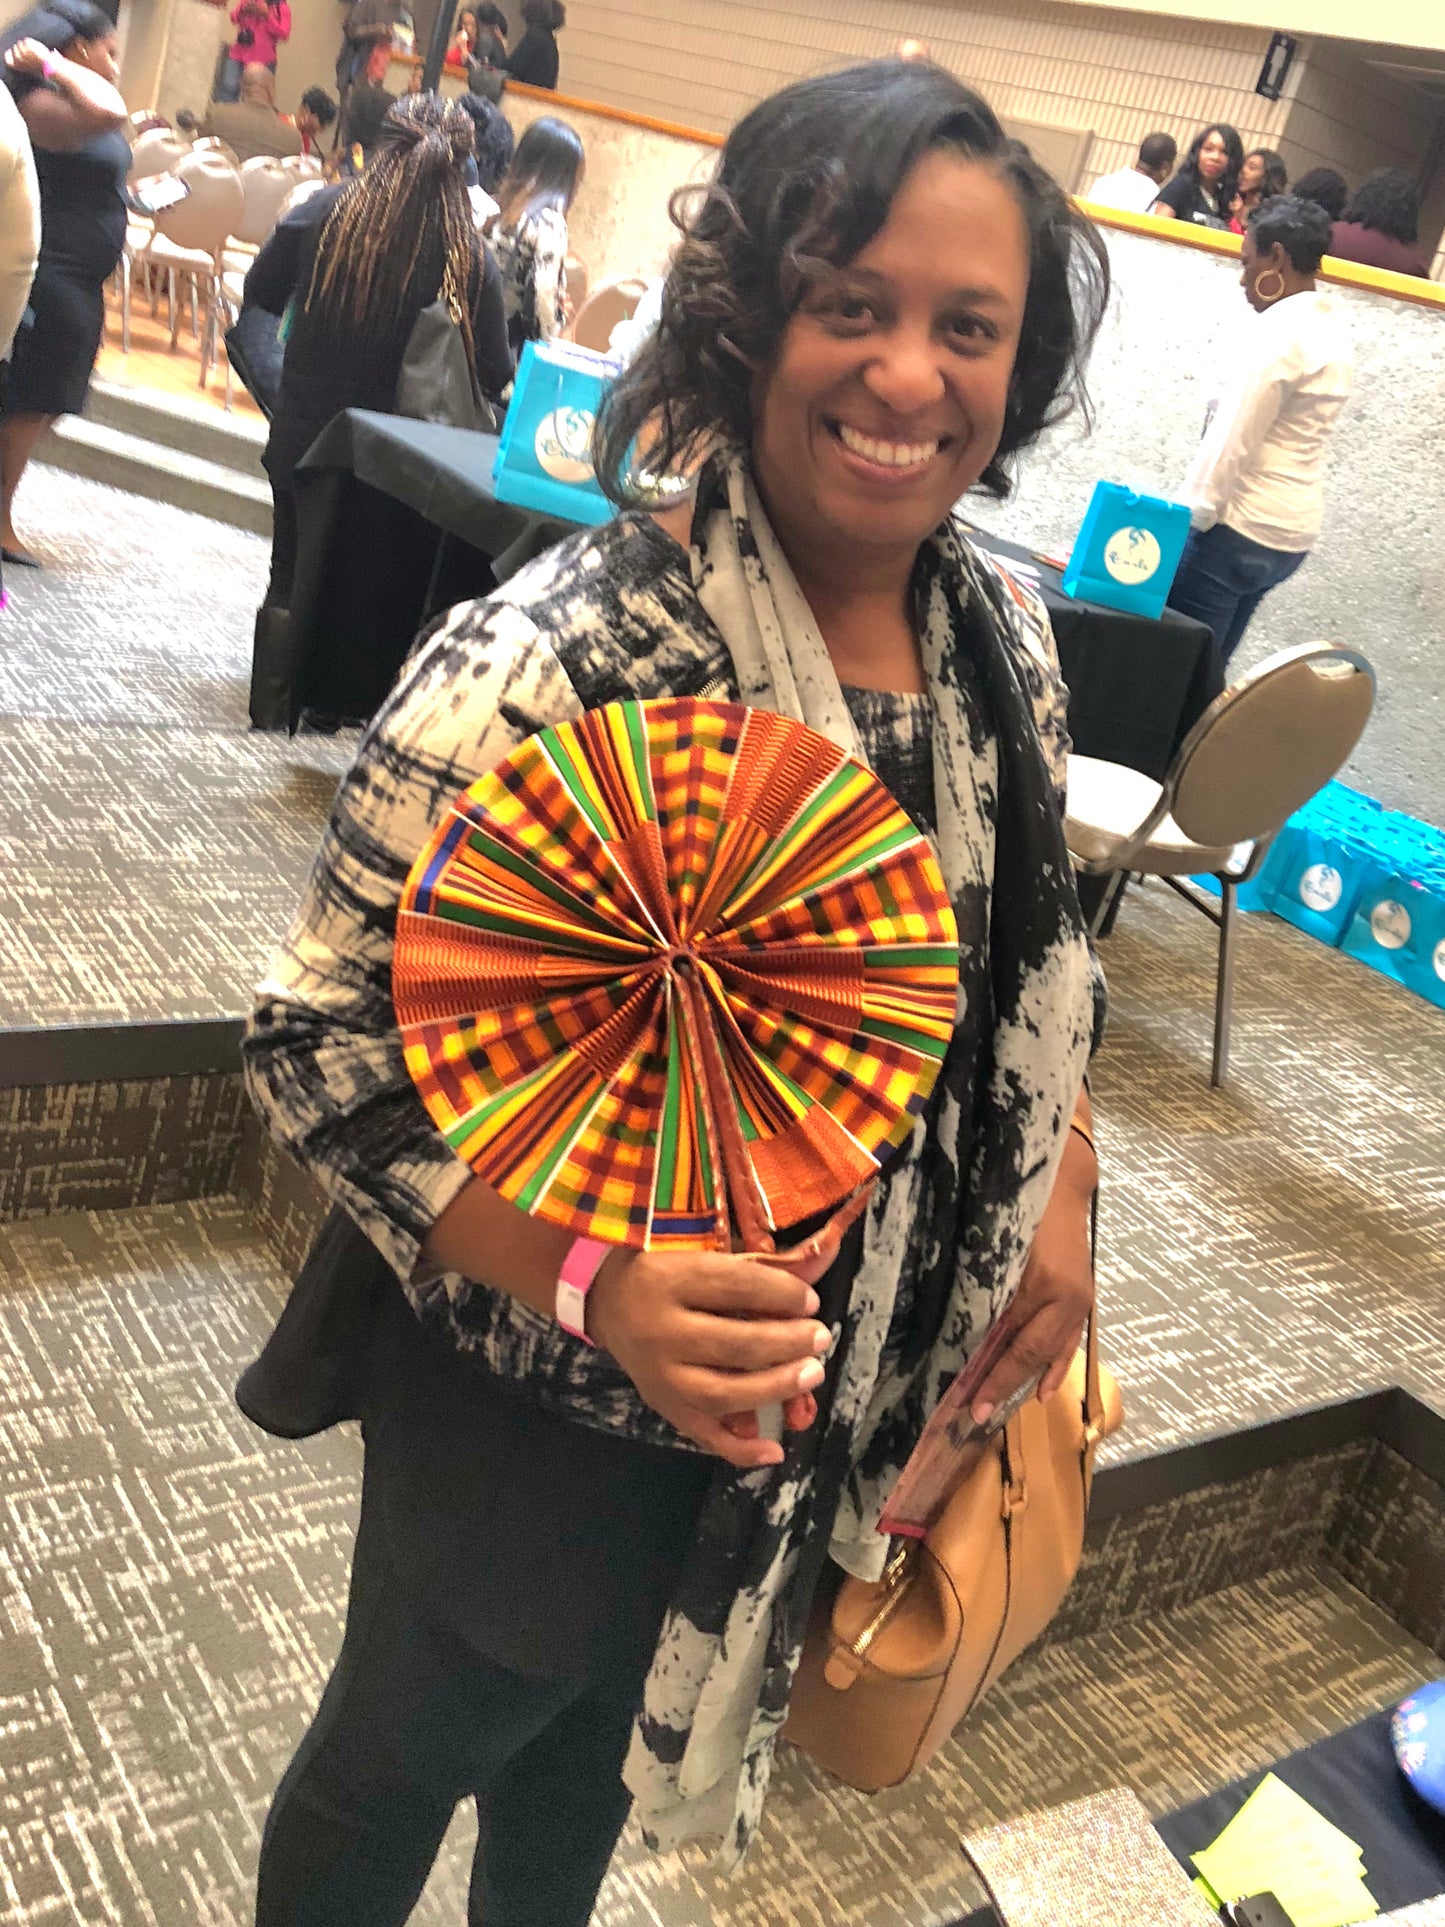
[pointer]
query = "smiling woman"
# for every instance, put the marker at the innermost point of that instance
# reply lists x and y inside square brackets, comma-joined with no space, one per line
[876,306]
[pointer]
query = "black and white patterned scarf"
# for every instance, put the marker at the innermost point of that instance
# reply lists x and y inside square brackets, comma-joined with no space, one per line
[958,1213]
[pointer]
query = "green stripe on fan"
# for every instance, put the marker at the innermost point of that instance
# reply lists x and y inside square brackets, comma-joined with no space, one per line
[569,774]
[667,1136]
[910,957]
[641,757]
[899,1034]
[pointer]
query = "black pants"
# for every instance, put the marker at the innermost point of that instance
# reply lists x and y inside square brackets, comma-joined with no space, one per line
[415,1720]
[283,543]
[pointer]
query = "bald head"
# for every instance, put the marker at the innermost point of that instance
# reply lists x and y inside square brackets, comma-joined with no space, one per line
[258,85]
[915,50]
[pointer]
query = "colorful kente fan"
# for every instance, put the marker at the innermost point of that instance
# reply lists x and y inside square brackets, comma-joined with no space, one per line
[675,968]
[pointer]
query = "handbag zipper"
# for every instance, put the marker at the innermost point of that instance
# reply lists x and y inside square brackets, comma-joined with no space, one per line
[895,1574]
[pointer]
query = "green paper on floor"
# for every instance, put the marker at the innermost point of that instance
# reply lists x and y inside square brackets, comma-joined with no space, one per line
[1278,1844]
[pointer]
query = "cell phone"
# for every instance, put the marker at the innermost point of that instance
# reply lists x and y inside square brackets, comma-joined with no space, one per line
[1260,1910]
[157,192]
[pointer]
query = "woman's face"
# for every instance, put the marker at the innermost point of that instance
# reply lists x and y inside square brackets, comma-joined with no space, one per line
[1251,175]
[1213,156]
[102,56]
[885,401]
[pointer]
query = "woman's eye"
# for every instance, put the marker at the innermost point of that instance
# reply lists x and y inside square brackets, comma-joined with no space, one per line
[852,310]
[973,329]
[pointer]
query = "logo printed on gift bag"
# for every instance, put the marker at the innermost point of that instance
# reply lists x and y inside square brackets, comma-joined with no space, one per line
[564,444]
[1320,886]
[1390,924]
[1437,961]
[1132,556]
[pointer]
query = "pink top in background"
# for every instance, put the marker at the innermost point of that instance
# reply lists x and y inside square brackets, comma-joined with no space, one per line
[269,25]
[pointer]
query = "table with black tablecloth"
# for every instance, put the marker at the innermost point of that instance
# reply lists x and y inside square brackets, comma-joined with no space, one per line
[399,519]
[396,521]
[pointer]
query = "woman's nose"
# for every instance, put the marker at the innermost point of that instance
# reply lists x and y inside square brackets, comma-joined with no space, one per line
[905,374]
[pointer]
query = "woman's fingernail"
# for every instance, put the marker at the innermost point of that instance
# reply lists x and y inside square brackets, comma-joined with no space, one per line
[822,1340]
[811,1302]
[812,1374]
[982,1414]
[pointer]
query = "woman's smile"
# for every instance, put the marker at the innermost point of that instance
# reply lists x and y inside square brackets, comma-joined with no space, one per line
[888,457]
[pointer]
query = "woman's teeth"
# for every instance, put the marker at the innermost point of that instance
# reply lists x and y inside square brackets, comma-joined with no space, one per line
[886,454]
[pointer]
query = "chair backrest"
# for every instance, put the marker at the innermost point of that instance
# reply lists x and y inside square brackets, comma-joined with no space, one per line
[265,184]
[301,167]
[209,215]
[300,191]
[601,312]
[212,143]
[1264,747]
[157,151]
[576,280]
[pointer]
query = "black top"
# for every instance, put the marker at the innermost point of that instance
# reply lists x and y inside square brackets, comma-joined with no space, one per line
[534,58]
[1189,199]
[82,204]
[367,106]
[326,370]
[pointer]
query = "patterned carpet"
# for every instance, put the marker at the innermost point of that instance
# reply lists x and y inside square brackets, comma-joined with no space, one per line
[152,847]
[170,1597]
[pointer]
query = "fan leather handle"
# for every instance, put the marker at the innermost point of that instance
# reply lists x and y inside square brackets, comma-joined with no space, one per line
[724,1131]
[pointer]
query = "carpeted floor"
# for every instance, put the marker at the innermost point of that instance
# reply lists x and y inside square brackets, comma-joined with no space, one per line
[152,847]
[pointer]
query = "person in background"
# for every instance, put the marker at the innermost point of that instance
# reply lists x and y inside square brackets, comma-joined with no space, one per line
[367,25]
[366,108]
[1263,176]
[552,1514]
[1381,225]
[530,233]
[359,262]
[915,50]
[251,126]
[261,26]
[1324,186]
[1256,487]
[1204,188]
[534,59]
[1135,189]
[19,220]
[493,143]
[60,68]
[316,113]
[464,39]
[490,48]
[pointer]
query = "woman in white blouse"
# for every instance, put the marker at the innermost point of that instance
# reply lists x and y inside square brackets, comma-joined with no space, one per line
[1256,487]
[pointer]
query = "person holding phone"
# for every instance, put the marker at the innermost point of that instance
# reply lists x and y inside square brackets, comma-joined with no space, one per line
[261,26]
[580,1552]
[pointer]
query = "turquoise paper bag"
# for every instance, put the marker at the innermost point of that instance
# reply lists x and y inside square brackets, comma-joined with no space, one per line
[1127,550]
[544,461]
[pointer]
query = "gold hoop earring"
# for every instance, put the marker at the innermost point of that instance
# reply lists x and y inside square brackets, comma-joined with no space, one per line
[1274,293]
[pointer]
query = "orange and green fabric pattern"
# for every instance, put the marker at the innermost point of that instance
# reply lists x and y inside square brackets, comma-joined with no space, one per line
[661,908]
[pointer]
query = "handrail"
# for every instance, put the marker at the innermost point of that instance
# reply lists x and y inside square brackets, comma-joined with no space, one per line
[1347,274]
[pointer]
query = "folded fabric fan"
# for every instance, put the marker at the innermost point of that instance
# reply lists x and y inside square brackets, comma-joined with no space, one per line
[676,970]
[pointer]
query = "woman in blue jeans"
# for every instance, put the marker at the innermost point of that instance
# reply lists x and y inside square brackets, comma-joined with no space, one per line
[1256,487]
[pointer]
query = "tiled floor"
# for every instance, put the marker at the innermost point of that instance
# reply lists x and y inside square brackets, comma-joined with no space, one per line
[171,1587]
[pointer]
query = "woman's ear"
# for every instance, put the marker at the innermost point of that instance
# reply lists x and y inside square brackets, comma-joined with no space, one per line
[1278,259]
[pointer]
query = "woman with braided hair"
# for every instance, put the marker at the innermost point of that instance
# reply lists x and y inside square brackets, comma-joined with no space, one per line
[356,271]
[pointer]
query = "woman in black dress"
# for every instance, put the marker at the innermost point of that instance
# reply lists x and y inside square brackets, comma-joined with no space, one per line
[534,58]
[60,64]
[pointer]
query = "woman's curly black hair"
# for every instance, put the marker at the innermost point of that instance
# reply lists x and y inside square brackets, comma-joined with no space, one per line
[1302,228]
[804,182]
[1387,202]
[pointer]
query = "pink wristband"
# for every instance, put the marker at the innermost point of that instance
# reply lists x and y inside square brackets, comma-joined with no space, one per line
[50,66]
[576,1278]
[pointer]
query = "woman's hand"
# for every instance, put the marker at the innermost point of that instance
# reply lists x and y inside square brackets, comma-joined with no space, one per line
[1054,1300]
[29,57]
[709,1336]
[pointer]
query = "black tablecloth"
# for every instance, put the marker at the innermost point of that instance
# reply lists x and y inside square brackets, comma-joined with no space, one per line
[1352,1779]
[1137,684]
[396,520]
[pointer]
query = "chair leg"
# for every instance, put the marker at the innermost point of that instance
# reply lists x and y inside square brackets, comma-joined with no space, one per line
[126,275]
[1113,890]
[1224,986]
[175,311]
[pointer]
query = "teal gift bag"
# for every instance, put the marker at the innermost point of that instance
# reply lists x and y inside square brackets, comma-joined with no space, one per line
[1399,929]
[1319,883]
[544,460]
[1127,550]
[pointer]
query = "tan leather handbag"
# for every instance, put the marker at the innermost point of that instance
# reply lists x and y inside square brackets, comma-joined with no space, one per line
[890,1668]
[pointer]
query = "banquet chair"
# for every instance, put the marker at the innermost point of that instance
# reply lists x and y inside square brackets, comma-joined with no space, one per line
[576,280]
[266,186]
[600,313]
[191,237]
[1256,755]
[156,150]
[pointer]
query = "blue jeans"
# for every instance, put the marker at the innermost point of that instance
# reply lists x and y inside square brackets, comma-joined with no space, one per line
[1223,577]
